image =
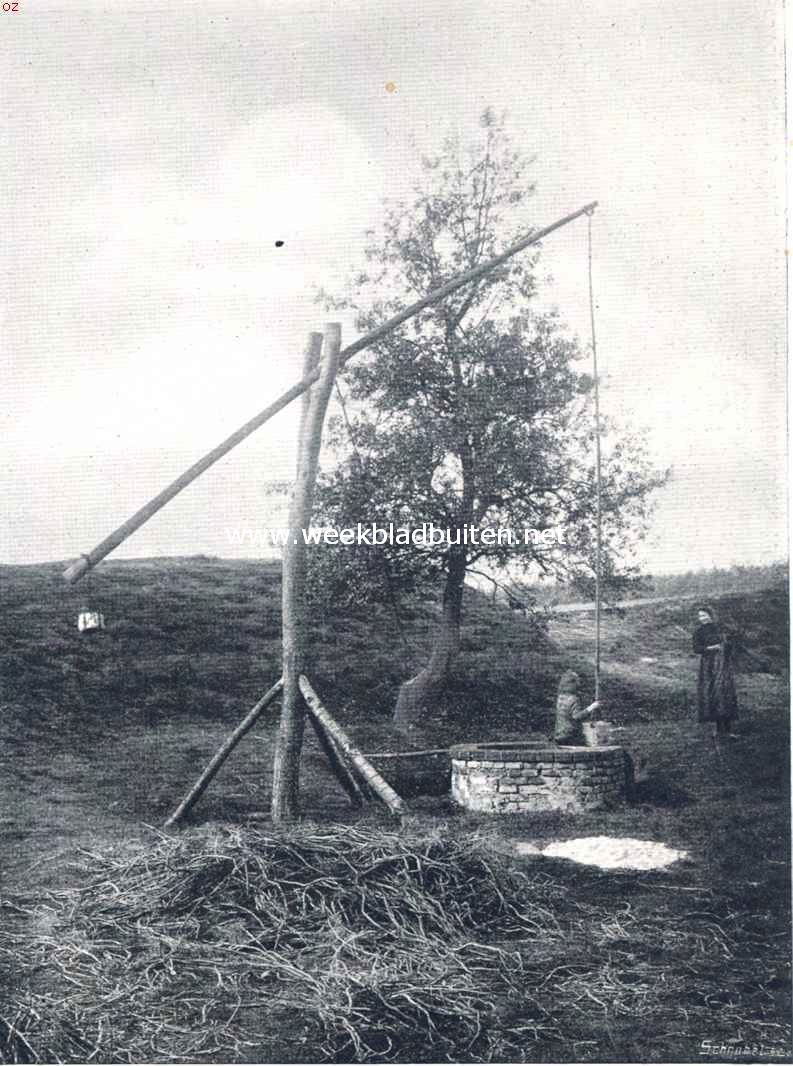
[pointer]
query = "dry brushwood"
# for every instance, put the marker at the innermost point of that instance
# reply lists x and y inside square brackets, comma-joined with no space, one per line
[361,945]
[189,950]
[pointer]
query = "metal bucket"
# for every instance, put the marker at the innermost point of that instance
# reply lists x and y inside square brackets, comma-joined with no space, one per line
[597,734]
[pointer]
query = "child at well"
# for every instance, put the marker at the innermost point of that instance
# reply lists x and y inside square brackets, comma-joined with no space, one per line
[569,713]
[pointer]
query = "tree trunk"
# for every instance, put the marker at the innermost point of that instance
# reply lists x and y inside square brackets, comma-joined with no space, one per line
[417,697]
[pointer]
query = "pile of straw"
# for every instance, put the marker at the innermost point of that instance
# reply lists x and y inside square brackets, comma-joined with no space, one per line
[223,944]
[353,945]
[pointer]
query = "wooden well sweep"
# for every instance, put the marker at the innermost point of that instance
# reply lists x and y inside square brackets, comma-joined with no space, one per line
[318,377]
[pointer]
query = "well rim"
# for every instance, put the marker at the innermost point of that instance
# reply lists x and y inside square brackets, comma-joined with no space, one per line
[516,751]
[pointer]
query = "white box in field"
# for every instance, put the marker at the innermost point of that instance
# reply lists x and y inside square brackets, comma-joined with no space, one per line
[87,620]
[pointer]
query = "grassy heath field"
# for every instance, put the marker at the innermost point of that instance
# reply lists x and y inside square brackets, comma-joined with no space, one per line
[352,936]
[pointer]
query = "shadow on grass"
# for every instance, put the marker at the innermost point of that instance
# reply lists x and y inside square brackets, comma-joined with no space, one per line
[658,791]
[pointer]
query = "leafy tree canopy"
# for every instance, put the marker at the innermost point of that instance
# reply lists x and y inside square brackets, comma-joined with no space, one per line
[478,412]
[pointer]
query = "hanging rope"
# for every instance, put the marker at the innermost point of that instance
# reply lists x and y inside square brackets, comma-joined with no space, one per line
[598,511]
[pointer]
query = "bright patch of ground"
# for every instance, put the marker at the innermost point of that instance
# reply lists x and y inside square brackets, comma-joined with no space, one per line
[609,853]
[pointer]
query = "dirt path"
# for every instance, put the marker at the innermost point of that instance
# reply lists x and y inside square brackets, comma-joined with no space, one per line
[624,605]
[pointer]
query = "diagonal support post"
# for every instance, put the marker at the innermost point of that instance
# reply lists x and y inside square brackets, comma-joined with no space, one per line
[215,763]
[376,781]
[337,764]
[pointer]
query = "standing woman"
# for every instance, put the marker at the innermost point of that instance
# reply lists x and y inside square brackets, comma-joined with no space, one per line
[716,698]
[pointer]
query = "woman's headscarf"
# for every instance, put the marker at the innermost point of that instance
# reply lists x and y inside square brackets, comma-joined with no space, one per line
[708,610]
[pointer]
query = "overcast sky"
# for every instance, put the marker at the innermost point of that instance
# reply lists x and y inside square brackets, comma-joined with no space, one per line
[155,152]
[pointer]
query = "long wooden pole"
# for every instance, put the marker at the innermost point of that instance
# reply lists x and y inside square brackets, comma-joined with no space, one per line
[378,784]
[286,769]
[76,570]
[229,744]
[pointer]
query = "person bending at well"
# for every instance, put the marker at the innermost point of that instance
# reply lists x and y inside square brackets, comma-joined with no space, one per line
[717,702]
[569,713]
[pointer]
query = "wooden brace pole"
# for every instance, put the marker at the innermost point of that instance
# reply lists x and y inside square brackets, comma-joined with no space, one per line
[230,743]
[345,777]
[406,754]
[286,769]
[76,570]
[379,785]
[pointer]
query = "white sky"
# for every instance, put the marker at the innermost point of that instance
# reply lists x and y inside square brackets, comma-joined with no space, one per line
[154,153]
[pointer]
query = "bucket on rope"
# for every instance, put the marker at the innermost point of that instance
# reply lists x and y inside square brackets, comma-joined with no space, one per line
[597,734]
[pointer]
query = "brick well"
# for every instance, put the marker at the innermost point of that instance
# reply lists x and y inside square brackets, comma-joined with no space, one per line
[536,776]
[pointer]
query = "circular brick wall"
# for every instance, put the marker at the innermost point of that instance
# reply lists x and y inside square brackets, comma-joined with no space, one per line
[536,776]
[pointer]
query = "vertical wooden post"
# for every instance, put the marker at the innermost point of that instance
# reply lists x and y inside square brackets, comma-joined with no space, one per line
[311,358]
[286,769]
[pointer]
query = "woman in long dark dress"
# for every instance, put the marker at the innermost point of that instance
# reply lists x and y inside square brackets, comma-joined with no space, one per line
[717,702]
